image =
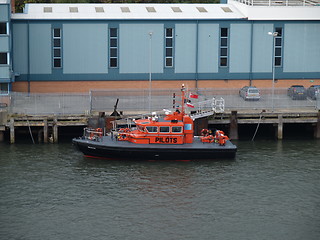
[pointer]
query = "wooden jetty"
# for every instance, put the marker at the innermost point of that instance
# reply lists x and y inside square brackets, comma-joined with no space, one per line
[48,125]
[277,119]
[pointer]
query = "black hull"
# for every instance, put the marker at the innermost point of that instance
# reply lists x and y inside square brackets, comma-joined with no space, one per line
[124,150]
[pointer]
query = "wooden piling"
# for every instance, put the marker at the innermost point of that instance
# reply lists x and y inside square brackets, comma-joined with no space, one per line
[55,130]
[317,127]
[199,124]
[280,127]
[1,136]
[45,130]
[233,132]
[11,125]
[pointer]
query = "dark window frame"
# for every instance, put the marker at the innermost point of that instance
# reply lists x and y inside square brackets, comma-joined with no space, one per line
[4,58]
[224,47]
[4,28]
[113,48]
[57,48]
[278,42]
[169,50]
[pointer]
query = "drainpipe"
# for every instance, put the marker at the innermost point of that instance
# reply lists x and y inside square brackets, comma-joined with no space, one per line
[197,54]
[250,73]
[28,53]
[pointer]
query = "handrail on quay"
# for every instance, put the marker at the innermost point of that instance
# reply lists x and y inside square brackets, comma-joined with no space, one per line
[136,101]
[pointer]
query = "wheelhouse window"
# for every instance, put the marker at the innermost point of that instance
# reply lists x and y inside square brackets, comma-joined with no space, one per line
[224,34]
[57,48]
[177,129]
[164,129]
[152,129]
[113,47]
[169,47]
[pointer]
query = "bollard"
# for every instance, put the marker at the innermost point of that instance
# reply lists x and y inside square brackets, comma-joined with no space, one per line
[233,133]
[12,138]
[280,127]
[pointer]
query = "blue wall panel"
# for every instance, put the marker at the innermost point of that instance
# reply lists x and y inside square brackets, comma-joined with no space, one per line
[40,48]
[4,73]
[301,48]
[20,48]
[208,45]
[135,48]
[85,48]
[185,48]
[262,48]
[240,48]
[4,43]
[4,10]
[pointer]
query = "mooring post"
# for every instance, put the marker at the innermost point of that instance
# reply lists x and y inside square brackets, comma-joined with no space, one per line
[233,134]
[55,130]
[317,127]
[280,127]
[1,136]
[12,139]
[199,124]
[45,130]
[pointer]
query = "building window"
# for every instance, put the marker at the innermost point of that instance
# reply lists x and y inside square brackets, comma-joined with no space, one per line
[3,28]
[4,88]
[57,48]
[169,47]
[113,47]
[224,47]
[4,58]
[278,48]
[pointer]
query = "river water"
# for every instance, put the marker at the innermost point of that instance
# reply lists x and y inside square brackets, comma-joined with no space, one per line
[270,191]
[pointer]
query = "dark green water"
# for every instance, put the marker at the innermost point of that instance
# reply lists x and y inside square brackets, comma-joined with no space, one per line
[270,191]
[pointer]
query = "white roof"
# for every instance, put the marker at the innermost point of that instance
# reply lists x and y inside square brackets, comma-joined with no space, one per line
[129,11]
[232,10]
[4,1]
[281,12]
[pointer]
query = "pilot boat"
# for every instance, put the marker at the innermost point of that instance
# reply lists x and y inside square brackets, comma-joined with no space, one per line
[155,138]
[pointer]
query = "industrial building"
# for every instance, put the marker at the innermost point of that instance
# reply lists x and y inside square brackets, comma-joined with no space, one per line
[78,47]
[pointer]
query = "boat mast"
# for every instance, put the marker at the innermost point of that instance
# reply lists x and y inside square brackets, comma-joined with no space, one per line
[183,97]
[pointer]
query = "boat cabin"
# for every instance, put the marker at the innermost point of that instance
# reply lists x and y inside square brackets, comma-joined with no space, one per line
[175,128]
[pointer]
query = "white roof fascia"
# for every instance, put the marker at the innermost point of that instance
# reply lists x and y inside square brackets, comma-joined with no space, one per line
[137,11]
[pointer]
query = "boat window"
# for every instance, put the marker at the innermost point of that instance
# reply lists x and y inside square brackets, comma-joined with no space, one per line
[176,129]
[141,128]
[164,129]
[152,129]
